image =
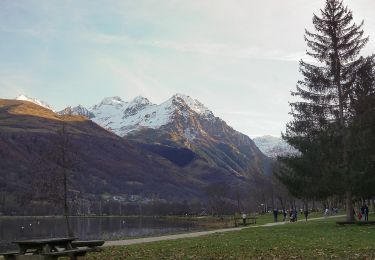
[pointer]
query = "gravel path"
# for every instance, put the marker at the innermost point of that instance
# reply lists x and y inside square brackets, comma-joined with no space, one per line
[197,234]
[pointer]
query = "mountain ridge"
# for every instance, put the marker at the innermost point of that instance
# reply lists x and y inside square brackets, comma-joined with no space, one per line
[181,122]
[108,163]
[38,102]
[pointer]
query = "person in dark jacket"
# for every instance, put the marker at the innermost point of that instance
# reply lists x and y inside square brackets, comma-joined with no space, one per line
[306,213]
[365,212]
[293,215]
[284,215]
[275,213]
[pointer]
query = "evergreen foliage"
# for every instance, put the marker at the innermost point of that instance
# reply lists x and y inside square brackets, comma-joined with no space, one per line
[334,112]
[361,131]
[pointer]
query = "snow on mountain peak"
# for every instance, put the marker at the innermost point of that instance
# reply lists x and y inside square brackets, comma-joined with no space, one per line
[34,100]
[124,117]
[136,105]
[273,146]
[193,104]
[22,97]
[115,100]
[141,100]
[181,96]
[77,111]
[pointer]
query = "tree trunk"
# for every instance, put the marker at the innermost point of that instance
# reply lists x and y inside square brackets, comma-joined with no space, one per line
[66,208]
[281,202]
[349,207]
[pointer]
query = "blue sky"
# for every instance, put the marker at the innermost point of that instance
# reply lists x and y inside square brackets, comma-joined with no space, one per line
[238,57]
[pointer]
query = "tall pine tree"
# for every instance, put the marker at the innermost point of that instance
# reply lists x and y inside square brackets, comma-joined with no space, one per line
[322,113]
[361,130]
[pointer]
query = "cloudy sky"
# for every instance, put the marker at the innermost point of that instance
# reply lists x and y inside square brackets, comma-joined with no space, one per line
[238,57]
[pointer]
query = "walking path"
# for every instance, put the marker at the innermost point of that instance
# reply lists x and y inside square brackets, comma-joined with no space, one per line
[197,234]
[301,220]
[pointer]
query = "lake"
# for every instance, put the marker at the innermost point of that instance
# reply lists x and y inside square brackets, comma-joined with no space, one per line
[104,228]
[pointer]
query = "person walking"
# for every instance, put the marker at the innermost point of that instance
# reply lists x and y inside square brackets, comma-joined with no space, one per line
[275,213]
[291,215]
[359,215]
[363,210]
[306,213]
[284,215]
[366,212]
[244,216]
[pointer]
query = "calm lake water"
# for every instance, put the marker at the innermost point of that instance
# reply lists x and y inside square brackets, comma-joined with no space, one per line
[105,228]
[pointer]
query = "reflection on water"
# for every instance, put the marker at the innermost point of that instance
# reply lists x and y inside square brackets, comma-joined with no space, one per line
[106,228]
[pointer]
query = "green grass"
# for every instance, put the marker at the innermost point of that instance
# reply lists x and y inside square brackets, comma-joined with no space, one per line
[321,239]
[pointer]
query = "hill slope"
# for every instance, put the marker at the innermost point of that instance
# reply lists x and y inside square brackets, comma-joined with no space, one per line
[106,163]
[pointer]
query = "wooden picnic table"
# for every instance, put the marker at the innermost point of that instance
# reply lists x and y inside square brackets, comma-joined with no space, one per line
[41,246]
[52,248]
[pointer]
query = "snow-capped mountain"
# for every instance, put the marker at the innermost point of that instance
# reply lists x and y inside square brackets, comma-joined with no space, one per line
[106,161]
[35,101]
[180,122]
[125,117]
[273,146]
[77,111]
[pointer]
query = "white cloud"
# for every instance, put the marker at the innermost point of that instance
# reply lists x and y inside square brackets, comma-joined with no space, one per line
[219,49]
[129,81]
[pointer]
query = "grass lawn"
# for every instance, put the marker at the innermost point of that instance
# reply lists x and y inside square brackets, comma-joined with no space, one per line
[321,239]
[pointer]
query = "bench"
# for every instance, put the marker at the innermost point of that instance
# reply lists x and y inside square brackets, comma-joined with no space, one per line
[72,253]
[52,249]
[248,220]
[91,243]
[11,255]
[94,245]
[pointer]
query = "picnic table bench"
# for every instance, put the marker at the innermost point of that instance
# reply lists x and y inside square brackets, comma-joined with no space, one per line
[248,220]
[51,249]
[91,243]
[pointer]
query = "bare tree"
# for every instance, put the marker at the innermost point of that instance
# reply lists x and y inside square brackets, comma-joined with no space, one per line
[217,194]
[51,168]
[65,161]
